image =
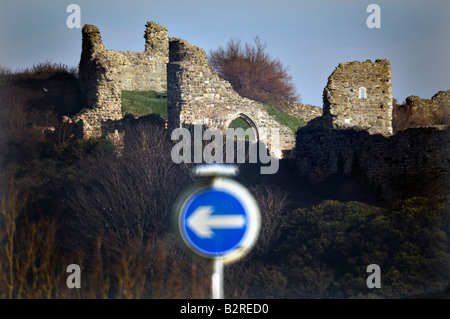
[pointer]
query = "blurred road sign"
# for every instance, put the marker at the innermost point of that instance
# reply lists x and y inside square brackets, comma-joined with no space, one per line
[218,219]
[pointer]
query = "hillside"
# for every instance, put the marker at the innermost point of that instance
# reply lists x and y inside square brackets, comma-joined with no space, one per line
[143,103]
[66,201]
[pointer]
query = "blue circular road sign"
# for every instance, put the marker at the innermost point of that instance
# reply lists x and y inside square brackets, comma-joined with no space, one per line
[220,220]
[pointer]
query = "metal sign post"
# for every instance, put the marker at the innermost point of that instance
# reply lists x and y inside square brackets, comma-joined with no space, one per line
[217,279]
[217,219]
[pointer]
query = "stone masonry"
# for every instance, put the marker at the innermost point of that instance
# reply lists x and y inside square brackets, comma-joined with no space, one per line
[105,73]
[306,112]
[439,100]
[352,136]
[197,95]
[413,162]
[436,109]
[359,95]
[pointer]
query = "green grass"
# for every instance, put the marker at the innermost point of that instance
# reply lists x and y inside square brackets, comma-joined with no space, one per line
[143,103]
[150,102]
[290,121]
[241,123]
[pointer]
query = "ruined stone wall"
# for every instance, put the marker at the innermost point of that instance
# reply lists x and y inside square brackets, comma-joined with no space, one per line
[105,73]
[145,71]
[429,109]
[99,84]
[346,106]
[413,162]
[439,100]
[306,112]
[115,131]
[197,95]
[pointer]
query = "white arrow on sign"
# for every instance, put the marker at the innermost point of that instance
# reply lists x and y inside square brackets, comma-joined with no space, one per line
[201,221]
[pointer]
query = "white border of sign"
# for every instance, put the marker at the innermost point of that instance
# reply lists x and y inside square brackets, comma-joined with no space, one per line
[245,198]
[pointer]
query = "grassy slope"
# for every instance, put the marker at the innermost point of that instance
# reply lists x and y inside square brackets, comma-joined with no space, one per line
[290,121]
[148,102]
[144,102]
[241,123]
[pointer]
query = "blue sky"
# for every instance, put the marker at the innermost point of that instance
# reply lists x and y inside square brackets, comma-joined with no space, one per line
[309,37]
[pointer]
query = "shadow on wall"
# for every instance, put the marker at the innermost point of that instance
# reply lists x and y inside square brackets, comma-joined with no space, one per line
[414,162]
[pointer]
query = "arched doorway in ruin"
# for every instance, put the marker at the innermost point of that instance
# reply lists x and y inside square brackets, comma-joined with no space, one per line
[244,138]
[249,129]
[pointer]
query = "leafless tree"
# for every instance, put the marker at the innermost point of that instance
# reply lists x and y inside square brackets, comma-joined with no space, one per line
[272,202]
[28,258]
[130,195]
[12,202]
[253,73]
[122,215]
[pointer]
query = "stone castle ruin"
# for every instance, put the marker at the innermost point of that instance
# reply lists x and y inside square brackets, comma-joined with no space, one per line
[351,135]
[359,95]
[105,73]
[195,93]
[354,136]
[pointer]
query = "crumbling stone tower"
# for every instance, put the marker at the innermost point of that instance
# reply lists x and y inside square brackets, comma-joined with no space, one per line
[359,95]
[105,73]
